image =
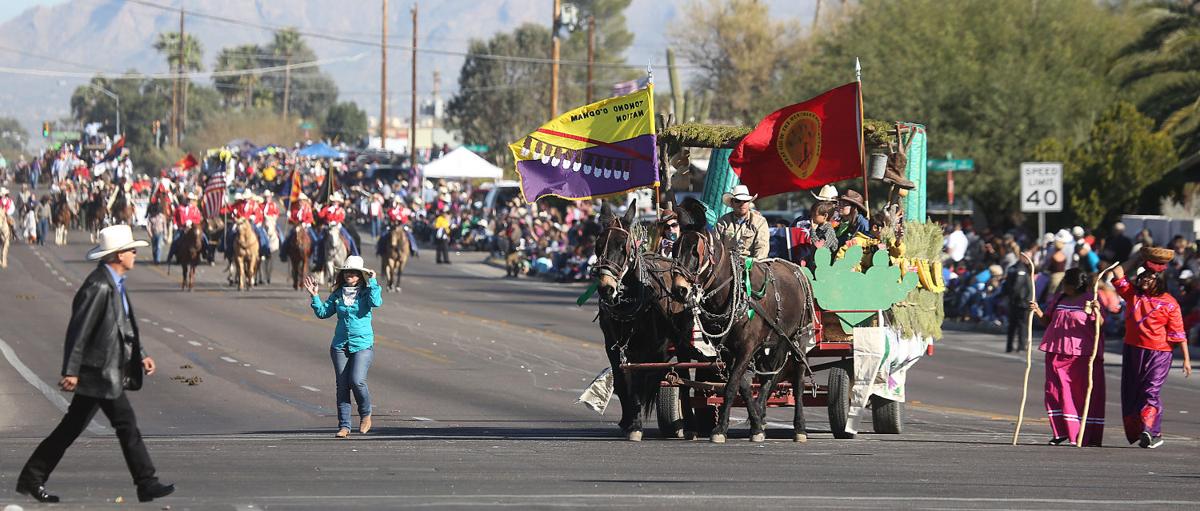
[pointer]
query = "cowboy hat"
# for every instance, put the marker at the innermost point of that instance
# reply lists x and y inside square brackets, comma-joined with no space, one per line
[268,193]
[303,197]
[239,196]
[854,198]
[192,196]
[3,190]
[827,194]
[356,263]
[256,198]
[739,192]
[114,238]
[335,197]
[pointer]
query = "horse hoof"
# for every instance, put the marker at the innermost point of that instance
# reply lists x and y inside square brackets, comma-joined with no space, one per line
[717,438]
[758,437]
[635,436]
[689,435]
[679,434]
[800,438]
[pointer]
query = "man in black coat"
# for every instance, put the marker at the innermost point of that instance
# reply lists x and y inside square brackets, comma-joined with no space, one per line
[1016,289]
[102,358]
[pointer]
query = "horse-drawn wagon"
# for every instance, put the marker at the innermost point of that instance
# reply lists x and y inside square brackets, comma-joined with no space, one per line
[711,330]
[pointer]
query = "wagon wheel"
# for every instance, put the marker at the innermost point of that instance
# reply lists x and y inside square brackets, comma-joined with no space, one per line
[887,415]
[839,401]
[668,413]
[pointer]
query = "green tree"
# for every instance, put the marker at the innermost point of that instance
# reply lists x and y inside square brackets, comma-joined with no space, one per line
[13,138]
[988,79]
[286,45]
[612,39]
[1162,66]
[344,122]
[306,90]
[189,58]
[1105,175]
[239,88]
[487,108]
[739,49]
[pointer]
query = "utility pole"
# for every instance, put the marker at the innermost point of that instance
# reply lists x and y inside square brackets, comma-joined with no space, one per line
[554,60]
[591,54]
[412,122]
[383,79]
[183,85]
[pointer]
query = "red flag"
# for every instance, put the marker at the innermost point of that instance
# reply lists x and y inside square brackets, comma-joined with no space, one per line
[115,150]
[297,186]
[187,162]
[804,146]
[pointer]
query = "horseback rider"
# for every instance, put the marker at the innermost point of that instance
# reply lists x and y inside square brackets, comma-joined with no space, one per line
[256,213]
[300,213]
[397,217]
[186,216]
[8,206]
[745,226]
[333,214]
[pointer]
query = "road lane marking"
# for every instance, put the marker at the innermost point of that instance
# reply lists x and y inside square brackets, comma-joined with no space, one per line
[50,392]
[310,389]
[266,372]
[423,419]
[559,499]
[194,343]
[231,360]
[168,330]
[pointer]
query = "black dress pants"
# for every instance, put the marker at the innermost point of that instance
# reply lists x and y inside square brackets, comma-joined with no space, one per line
[1017,329]
[79,414]
[443,250]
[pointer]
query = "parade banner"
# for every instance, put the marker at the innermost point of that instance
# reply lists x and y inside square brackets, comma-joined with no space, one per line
[600,149]
[296,185]
[805,145]
[214,194]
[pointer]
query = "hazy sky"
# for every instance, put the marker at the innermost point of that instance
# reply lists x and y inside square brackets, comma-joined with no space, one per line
[11,8]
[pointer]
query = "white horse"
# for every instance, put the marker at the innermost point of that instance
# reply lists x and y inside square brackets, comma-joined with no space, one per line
[6,235]
[335,252]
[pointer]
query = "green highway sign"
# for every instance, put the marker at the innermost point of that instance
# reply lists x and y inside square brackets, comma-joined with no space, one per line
[954,165]
[477,148]
[60,136]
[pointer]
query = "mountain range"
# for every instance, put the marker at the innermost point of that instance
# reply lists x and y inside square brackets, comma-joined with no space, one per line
[65,44]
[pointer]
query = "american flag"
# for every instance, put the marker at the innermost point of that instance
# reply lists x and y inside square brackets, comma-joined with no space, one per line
[214,194]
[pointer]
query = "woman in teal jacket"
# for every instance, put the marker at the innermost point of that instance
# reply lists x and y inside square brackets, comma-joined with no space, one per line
[355,293]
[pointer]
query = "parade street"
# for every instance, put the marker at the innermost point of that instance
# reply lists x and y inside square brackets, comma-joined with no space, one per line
[474,386]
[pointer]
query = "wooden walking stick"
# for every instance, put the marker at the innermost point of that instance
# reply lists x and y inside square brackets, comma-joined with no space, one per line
[1087,398]
[1028,350]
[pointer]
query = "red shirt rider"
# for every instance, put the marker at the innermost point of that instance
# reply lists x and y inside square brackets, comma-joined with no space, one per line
[270,208]
[188,214]
[301,212]
[333,212]
[397,214]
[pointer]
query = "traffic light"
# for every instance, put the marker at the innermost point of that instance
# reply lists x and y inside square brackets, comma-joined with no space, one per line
[45,129]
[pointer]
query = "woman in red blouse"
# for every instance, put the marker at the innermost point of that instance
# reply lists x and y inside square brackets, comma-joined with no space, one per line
[1153,326]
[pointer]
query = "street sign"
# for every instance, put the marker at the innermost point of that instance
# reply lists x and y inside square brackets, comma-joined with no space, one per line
[477,148]
[1041,187]
[950,165]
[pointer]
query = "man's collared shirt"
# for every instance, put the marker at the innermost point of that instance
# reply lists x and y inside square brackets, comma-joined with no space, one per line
[120,280]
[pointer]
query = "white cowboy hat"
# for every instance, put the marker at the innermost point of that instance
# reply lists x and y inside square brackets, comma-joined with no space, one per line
[335,197]
[739,192]
[3,190]
[303,197]
[239,196]
[256,198]
[114,238]
[356,263]
[268,193]
[192,196]
[827,194]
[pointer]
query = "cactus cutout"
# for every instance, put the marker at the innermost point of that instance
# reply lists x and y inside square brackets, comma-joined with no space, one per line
[836,286]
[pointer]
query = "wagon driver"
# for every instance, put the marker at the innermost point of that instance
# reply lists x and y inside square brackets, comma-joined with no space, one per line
[745,226]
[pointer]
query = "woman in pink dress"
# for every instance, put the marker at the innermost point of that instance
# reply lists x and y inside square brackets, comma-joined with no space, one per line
[1068,341]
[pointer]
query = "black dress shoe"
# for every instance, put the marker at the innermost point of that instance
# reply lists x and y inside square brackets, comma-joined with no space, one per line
[153,491]
[37,491]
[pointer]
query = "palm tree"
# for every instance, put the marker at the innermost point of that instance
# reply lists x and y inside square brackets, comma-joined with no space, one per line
[189,59]
[287,44]
[1163,65]
[238,58]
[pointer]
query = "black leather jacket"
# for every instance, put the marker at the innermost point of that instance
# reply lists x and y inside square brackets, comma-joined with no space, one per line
[102,346]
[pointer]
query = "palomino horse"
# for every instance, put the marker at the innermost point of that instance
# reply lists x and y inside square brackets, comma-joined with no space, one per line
[395,257]
[635,317]
[189,251]
[711,277]
[245,254]
[6,234]
[61,214]
[299,251]
[335,253]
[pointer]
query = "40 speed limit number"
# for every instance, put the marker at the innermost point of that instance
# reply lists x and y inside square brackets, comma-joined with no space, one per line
[1041,187]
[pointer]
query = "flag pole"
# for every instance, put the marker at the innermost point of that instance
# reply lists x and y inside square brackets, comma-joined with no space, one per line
[862,145]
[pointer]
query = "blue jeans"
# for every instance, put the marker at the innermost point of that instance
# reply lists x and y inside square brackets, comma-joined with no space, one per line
[351,376]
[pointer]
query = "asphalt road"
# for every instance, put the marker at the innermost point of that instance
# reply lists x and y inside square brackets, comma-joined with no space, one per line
[474,383]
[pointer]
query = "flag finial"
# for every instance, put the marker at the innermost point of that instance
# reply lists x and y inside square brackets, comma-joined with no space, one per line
[857,70]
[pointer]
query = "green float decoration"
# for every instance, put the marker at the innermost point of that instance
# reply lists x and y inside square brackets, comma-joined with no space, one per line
[836,286]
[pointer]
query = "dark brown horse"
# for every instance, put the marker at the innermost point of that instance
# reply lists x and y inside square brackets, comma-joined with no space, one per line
[760,317]
[96,214]
[61,215]
[395,256]
[122,208]
[189,252]
[635,316]
[299,250]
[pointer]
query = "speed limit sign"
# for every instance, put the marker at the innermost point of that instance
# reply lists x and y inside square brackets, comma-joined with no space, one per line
[1041,187]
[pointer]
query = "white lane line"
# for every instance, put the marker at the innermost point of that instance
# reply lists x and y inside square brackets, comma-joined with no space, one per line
[51,393]
[194,343]
[144,320]
[168,330]
[266,372]
[310,389]
[423,419]
[231,360]
[559,499]
[54,272]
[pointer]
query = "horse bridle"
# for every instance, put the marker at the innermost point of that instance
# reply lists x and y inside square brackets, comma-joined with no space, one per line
[706,252]
[604,266]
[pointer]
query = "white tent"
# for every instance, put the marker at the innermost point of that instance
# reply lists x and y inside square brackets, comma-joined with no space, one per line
[462,163]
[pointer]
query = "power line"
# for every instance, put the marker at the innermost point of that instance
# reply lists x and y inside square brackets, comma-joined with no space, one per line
[375,44]
[189,76]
